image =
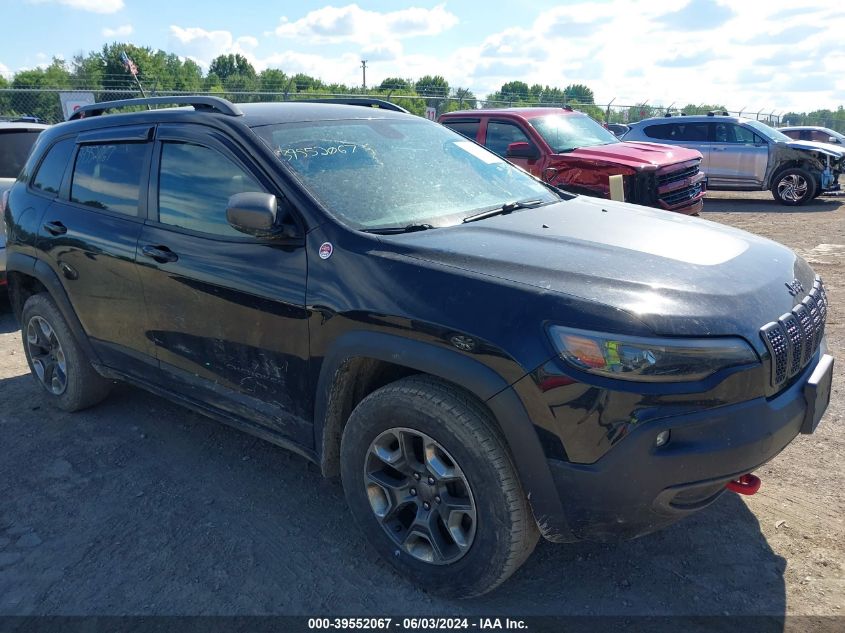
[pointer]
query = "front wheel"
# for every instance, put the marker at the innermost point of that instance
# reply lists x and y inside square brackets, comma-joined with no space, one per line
[794,186]
[431,483]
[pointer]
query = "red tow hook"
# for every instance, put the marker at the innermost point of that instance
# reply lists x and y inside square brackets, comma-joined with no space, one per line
[746,485]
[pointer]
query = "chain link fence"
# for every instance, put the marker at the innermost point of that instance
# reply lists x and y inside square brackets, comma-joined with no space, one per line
[45,104]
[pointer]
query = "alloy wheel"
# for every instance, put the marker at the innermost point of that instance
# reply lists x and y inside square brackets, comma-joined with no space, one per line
[420,496]
[792,187]
[47,356]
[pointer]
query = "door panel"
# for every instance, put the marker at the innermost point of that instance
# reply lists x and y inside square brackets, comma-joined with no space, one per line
[91,244]
[226,310]
[738,157]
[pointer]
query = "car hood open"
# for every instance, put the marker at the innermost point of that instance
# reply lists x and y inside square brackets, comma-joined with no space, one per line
[676,274]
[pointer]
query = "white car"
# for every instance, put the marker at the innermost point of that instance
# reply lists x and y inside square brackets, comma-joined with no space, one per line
[16,140]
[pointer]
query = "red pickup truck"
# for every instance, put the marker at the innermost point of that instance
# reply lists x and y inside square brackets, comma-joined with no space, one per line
[570,150]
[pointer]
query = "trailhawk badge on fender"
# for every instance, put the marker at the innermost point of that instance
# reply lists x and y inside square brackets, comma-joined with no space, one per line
[326,250]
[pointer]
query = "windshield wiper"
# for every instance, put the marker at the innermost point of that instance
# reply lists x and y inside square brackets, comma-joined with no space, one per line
[504,209]
[394,230]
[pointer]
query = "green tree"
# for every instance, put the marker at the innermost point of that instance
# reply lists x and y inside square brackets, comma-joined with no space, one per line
[579,93]
[272,80]
[396,83]
[703,108]
[225,66]
[432,86]
[38,96]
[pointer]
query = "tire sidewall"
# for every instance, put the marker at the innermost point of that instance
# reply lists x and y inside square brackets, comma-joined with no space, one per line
[486,556]
[42,306]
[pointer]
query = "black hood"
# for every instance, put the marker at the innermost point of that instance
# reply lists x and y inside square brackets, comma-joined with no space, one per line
[680,276]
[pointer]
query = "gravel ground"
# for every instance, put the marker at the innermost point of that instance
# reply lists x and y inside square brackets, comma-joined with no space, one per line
[141,507]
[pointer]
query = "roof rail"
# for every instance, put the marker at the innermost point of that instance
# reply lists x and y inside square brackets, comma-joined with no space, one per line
[200,102]
[359,101]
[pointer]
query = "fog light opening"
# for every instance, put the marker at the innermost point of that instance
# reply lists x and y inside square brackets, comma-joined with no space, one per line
[662,438]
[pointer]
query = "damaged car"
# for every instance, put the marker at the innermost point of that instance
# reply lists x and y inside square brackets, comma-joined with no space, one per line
[747,155]
[569,150]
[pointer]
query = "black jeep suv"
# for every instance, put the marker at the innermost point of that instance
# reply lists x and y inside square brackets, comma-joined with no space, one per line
[480,357]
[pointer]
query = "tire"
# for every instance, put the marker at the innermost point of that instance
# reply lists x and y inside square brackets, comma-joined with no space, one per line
[794,186]
[484,522]
[55,359]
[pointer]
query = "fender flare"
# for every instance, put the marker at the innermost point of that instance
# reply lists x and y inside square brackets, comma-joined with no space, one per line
[462,370]
[41,271]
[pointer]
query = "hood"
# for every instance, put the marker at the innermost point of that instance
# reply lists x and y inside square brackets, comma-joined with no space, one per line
[636,155]
[830,149]
[679,276]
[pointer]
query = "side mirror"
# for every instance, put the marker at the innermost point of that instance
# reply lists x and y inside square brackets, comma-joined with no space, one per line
[834,140]
[254,213]
[522,149]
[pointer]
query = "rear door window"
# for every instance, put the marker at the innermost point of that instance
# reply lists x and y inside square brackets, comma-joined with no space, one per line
[48,178]
[108,176]
[690,132]
[14,150]
[467,127]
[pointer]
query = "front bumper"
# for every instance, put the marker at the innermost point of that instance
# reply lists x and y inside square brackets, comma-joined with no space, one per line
[637,488]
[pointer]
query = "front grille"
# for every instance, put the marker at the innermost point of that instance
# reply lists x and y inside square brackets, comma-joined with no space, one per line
[680,195]
[794,337]
[675,176]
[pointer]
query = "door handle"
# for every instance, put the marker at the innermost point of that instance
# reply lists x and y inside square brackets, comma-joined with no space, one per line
[720,149]
[161,254]
[55,228]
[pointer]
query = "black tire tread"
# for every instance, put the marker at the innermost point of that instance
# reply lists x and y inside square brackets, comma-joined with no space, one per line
[469,413]
[85,386]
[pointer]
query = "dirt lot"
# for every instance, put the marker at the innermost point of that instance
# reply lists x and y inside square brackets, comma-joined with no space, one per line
[139,507]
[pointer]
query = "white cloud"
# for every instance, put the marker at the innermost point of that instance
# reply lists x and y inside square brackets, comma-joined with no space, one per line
[643,57]
[383,51]
[124,30]
[354,24]
[203,46]
[94,6]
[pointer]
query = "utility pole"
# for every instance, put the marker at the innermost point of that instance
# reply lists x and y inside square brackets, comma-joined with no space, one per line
[364,69]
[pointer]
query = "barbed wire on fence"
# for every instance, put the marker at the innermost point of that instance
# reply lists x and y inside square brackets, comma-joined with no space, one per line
[45,103]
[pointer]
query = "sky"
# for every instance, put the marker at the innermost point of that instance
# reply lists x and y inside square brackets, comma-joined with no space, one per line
[770,55]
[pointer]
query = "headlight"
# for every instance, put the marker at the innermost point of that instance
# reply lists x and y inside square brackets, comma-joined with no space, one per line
[649,360]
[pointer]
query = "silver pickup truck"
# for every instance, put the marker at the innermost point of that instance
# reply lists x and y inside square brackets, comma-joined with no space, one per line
[746,155]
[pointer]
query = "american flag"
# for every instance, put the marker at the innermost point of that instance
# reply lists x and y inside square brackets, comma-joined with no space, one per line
[128,64]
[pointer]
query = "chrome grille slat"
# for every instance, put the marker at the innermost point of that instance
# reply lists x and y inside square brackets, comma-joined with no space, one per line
[796,336]
[789,322]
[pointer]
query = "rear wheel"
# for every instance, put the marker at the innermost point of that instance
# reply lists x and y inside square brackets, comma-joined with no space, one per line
[433,487]
[794,186]
[55,358]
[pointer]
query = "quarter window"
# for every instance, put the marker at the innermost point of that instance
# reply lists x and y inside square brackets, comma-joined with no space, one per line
[108,176]
[48,178]
[195,184]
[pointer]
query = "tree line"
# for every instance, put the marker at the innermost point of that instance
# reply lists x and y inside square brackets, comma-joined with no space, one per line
[102,72]
[232,75]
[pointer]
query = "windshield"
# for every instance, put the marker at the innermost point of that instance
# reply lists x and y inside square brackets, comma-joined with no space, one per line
[564,133]
[769,132]
[378,173]
[14,150]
